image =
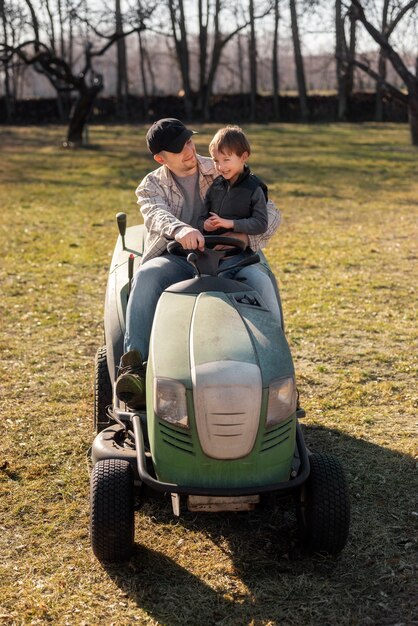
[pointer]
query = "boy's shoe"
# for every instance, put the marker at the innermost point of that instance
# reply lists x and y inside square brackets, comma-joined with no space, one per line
[130,384]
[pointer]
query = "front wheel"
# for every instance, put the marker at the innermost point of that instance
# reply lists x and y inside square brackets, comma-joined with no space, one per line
[112,510]
[324,506]
[102,391]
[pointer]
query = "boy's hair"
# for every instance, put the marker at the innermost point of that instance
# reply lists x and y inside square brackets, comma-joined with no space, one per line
[230,139]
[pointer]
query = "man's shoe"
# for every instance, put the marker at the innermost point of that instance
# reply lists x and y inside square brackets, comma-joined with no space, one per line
[130,384]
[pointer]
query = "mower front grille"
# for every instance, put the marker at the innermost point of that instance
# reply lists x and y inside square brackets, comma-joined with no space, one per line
[227,402]
[180,440]
[276,436]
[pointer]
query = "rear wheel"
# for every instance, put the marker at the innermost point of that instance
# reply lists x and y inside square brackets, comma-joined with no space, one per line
[324,506]
[102,391]
[112,510]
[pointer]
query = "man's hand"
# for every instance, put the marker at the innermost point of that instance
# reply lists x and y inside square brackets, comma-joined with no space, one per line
[190,238]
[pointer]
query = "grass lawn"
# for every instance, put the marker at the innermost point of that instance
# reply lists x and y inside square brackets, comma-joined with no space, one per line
[346,260]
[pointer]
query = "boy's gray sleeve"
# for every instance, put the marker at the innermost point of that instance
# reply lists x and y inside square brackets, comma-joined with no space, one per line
[257,223]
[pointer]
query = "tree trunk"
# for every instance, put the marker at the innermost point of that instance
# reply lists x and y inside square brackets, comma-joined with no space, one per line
[413,112]
[9,101]
[182,52]
[340,49]
[217,48]
[379,113]
[60,106]
[151,72]
[143,74]
[214,61]
[351,52]
[71,41]
[203,46]
[300,71]
[240,63]
[61,23]
[275,63]
[252,49]
[122,72]
[379,110]
[80,113]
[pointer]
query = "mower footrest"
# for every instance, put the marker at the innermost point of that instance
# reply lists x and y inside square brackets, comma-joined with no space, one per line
[213,504]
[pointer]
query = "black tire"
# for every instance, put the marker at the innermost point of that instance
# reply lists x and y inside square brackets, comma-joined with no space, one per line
[112,510]
[102,391]
[324,507]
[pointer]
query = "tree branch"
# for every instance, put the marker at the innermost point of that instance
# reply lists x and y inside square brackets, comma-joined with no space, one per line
[410,5]
[396,93]
[399,66]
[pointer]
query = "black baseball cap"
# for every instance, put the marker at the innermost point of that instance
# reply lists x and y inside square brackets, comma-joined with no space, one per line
[168,134]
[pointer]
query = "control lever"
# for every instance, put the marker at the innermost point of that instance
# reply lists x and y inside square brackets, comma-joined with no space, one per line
[192,258]
[131,261]
[121,220]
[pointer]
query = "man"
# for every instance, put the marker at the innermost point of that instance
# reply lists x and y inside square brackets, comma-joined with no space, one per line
[171,201]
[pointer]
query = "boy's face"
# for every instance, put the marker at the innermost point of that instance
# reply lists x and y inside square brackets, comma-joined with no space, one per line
[229,165]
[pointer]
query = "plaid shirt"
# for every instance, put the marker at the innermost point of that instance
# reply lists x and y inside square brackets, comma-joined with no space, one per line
[161,204]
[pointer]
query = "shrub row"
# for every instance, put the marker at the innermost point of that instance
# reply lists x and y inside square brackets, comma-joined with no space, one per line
[224,108]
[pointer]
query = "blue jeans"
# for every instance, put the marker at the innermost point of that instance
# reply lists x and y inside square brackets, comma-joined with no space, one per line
[156,275]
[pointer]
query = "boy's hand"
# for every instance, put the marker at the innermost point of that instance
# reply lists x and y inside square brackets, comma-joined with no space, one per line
[207,225]
[214,222]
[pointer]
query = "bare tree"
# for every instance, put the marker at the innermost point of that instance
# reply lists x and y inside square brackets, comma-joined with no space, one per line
[204,16]
[252,54]
[139,12]
[37,51]
[382,65]
[240,62]
[237,65]
[6,68]
[400,12]
[179,32]
[275,62]
[122,87]
[143,71]
[300,70]
[212,39]
[12,22]
[220,40]
[343,52]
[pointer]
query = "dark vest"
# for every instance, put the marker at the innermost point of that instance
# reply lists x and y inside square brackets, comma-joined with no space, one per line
[233,201]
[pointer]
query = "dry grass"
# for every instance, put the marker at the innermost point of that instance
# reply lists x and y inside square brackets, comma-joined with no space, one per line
[346,257]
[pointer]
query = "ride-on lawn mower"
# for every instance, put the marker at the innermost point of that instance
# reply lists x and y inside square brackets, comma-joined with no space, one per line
[221,425]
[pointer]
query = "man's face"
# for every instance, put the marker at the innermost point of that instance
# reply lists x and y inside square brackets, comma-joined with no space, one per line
[181,163]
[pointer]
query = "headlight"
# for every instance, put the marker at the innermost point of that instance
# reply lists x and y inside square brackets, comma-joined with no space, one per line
[170,401]
[282,400]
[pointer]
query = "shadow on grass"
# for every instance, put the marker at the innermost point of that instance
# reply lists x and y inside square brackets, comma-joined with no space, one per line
[263,575]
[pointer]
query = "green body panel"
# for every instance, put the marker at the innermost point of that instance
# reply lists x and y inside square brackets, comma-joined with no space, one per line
[217,332]
[270,344]
[189,330]
[169,347]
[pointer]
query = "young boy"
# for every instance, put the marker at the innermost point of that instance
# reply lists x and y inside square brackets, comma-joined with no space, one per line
[236,200]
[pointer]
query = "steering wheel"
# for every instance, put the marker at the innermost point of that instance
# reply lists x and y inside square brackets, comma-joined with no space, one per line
[236,245]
